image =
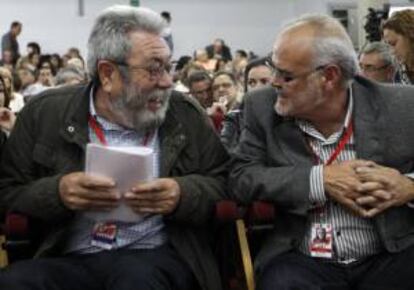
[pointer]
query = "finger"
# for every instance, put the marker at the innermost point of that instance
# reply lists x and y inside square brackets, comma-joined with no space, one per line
[77,203]
[150,210]
[369,186]
[366,201]
[149,204]
[103,194]
[354,207]
[87,180]
[382,194]
[361,163]
[152,186]
[379,208]
[372,175]
[150,196]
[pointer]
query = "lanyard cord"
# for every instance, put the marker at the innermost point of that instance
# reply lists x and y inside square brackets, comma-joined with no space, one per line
[97,129]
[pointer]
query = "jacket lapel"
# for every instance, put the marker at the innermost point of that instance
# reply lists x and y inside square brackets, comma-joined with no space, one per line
[172,140]
[367,124]
[75,129]
[292,142]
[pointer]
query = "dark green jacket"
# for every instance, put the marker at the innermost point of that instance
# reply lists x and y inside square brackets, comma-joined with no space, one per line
[49,141]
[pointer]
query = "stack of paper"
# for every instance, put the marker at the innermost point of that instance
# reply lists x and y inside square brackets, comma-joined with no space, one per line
[127,166]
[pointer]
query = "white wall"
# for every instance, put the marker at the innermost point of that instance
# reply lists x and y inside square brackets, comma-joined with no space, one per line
[244,24]
[247,24]
[54,24]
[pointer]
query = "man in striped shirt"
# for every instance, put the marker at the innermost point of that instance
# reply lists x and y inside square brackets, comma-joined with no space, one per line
[333,152]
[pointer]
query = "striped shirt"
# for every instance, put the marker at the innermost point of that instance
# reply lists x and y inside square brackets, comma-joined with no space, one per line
[149,232]
[353,237]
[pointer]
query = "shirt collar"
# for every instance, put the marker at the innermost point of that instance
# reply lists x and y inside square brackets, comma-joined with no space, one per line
[308,128]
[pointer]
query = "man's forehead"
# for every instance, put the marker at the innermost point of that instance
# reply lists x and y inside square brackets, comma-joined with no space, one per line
[149,46]
[292,48]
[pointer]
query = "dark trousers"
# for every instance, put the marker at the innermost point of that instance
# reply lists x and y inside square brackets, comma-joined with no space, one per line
[156,269]
[296,271]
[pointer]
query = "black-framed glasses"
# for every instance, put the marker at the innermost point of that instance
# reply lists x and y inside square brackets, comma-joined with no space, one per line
[372,68]
[288,77]
[155,71]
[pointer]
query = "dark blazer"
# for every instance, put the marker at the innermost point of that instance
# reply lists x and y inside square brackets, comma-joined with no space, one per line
[272,162]
[49,141]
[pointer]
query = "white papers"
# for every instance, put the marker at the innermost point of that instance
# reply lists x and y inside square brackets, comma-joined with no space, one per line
[127,166]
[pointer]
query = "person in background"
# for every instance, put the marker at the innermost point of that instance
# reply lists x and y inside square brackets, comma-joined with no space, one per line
[398,33]
[33,47]
[258,74]
[199,84]
[239,64]
[129,102]
[328,148]
[225,97]
[70,75]
[377,62]
[16,100]
[7,117]
[219,51]
[167,33]
[9,41]
[201,59]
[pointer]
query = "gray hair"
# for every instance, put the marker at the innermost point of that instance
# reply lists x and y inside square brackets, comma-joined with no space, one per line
[70,72]
[382,49]
[332,44]
[109,36]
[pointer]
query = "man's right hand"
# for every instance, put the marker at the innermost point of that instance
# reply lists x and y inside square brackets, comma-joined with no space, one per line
[80,191]
[341,183]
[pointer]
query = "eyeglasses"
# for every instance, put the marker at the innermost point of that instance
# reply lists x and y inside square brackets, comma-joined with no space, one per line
[201,92]
[288,77]
[155,71]
[372,68]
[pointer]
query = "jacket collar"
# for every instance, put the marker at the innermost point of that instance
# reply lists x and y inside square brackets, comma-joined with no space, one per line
[172,138]
[172,135]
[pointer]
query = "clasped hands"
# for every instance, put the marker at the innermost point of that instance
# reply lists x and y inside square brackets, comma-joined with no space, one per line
[80,191]
[365,187]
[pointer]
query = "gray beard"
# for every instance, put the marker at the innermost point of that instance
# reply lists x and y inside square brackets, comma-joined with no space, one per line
[131,108]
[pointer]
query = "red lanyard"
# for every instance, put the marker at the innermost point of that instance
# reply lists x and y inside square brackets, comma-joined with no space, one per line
[97,129]
[341,145]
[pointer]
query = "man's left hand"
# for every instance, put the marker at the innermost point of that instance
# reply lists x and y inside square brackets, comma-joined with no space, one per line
[380,180]
[160,196]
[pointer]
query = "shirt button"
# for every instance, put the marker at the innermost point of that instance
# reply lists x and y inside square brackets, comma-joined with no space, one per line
[338,233]
[71,129]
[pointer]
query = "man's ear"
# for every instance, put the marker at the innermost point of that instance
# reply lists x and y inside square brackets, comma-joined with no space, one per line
[106,72]
[332,75]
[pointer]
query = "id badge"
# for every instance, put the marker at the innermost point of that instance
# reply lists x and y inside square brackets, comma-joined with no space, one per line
[321,240]
[104,235]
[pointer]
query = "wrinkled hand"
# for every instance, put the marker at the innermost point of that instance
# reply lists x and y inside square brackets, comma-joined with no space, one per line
[342,183]
[80,191]
[160,196]
[382,188]
[7,119]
